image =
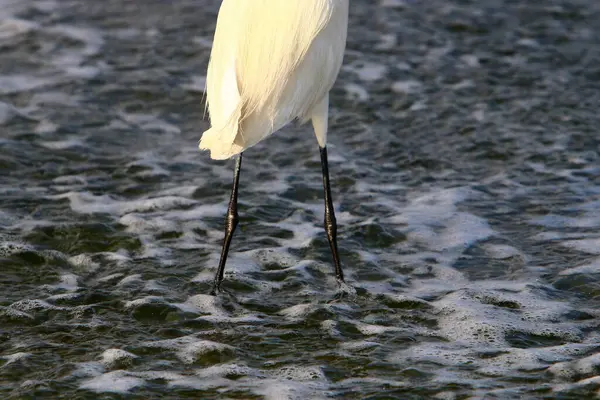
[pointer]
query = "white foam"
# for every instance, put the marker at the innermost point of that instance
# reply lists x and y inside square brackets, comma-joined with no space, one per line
[10,8]
[7,113]
[8,248]
[387,42]
[117,257]
[356,92]
[144,300]
[197,84]
[225,369]
[588,268]
[67,282]
[88,203]
[45,127]
[591,246]
[433,222]
[393,3]
[370,329]
[367,71]
[179,191]
[91,38]
[112,357]
[203,304]
[407,87]
[148,122]
[294,383]
[189,348]
[298,311]
[141,224]
[88,369]
[33,305]
[592,382]
[238,265]
[359,345]
[111,277]
[502,251]
[10,84]
[62,144]
[45,6]
[112,382]
[15,357]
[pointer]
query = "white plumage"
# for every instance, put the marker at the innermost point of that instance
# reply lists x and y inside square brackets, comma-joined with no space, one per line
[272,61]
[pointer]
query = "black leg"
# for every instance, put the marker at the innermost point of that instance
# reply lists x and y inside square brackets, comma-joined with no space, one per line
[330,222]
[231,222]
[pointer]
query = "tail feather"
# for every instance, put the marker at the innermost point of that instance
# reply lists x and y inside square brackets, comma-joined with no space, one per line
[220,148]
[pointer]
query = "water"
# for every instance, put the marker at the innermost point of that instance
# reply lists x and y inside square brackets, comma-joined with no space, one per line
[464,162]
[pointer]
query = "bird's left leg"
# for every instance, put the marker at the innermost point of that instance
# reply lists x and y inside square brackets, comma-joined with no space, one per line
[330,222]
[231,222]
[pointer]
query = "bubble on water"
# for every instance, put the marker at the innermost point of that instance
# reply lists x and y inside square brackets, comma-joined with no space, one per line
[359,345]
[367,71]
[356,92]
[112,358]
[297,373]
[10,84]
[145,300]
[331,328]
[7,113]
[502,251]
[293,383]
[298,311]
[208,377]
[370,329]
[149,123]
[15,357]
[434,222]
[88,203]
[197,84]
[591,384]
[63,144]
[190,349]
[407,87]
[112,382]
[88,369]
[33,305]
[134,279]
[203,304]
[10,27]
[84,262]
[9,248]
[584,366]
[591,246]
[67,282]
[588,268]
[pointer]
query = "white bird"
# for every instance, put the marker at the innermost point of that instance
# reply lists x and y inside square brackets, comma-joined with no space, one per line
[272,62]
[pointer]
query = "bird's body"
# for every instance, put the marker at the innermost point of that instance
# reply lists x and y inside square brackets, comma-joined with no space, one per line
[271,62]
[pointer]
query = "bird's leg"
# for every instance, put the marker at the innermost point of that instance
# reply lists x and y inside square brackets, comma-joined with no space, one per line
[231,222]
[330,222]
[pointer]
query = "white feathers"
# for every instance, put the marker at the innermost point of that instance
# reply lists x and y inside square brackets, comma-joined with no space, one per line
[272,61]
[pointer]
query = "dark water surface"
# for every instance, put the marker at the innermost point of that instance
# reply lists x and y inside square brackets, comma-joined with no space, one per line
[464,154]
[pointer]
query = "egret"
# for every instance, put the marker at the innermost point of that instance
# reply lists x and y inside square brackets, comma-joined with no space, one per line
[272,62]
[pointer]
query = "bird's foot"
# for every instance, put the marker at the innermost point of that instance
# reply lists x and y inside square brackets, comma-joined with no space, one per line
[344,292]
[216,289]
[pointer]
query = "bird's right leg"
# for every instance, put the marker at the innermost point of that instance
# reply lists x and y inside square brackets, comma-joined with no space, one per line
[231,222]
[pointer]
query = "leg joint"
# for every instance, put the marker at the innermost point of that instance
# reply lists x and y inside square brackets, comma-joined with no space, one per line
[330,225]
[231,221]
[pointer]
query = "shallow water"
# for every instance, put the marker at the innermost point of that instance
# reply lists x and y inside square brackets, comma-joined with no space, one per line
[465,171]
